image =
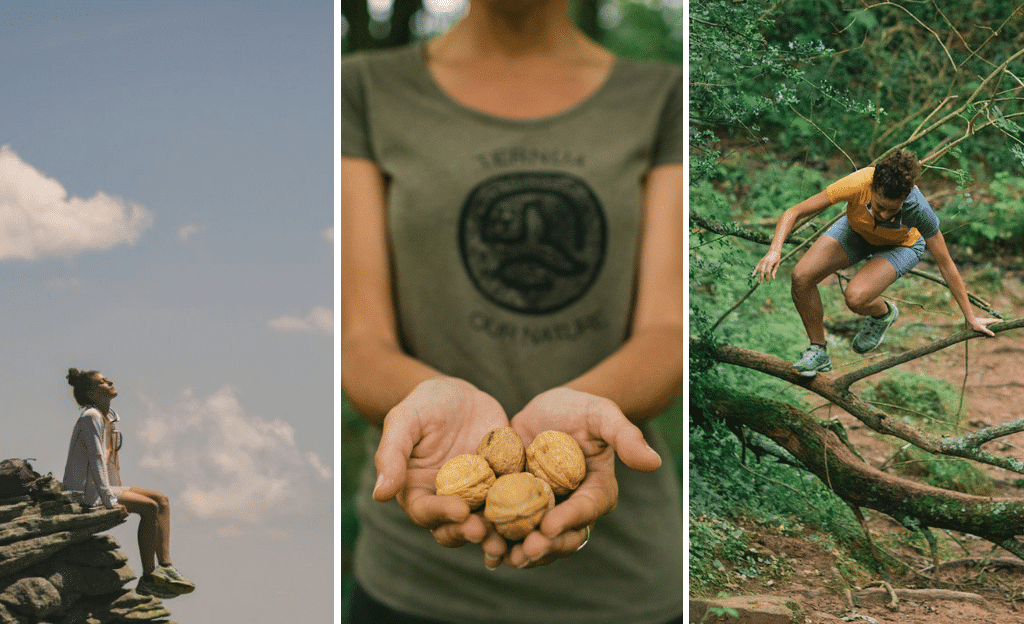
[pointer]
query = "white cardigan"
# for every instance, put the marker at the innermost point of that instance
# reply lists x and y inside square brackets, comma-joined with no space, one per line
[92,462]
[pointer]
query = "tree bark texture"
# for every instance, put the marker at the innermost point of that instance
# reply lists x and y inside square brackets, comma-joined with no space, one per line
[914,504]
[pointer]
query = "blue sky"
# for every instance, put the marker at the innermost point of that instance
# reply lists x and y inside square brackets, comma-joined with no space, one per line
[166,177]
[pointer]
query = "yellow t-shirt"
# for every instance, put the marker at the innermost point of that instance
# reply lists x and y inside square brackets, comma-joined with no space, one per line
[915,219]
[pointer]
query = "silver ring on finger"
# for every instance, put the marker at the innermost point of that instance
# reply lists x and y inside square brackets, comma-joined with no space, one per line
[585,540]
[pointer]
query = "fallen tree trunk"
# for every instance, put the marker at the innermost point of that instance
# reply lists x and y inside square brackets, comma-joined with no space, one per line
[913,504]
[836,389]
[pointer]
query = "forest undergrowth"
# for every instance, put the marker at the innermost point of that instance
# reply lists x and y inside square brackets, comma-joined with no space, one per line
[759,522]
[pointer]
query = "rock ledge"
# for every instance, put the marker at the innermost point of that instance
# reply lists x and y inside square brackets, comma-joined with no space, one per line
[57,568]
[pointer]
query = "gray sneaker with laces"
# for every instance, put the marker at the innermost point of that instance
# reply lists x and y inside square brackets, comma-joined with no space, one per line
[814,360]
[872,330]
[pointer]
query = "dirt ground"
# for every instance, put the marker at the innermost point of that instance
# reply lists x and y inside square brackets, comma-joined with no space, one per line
[991,374]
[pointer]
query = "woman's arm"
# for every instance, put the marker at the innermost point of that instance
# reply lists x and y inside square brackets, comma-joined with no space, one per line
[635,383]
[375,373]
[426,417]
[769,264]
[645,376]
[940,253]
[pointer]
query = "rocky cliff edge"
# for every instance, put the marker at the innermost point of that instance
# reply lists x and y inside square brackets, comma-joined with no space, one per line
[57,568]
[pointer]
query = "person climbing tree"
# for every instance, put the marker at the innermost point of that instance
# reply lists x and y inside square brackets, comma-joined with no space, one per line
[889,223]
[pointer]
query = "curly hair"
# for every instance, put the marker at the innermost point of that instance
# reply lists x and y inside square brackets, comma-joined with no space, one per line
[82,382]
[895,176]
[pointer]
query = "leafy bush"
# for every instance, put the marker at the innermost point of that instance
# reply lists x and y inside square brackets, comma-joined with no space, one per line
[932,403]
[993,222]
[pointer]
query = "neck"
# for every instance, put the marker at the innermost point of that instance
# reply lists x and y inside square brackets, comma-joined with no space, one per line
[536,29]
[102,406]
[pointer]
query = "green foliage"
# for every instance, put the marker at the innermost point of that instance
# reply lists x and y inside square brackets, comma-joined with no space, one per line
[719,549]
[645,30]
[931,403]
[950,473]
[768,492]
[737,76]
[353,455]
[993,221]
[721,611]
[935,406]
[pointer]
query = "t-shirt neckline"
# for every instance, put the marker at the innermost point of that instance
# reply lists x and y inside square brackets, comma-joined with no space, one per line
[433,85]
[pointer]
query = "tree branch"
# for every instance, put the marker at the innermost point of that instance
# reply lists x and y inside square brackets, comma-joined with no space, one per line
[913,504]
[836,390]
[847,380]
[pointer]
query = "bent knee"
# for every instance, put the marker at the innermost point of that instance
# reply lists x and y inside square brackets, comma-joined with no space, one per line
[858,299]
[162,501]
[803,278]
[146,507]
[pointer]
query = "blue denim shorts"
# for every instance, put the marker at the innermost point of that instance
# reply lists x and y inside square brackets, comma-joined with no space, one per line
[901,258]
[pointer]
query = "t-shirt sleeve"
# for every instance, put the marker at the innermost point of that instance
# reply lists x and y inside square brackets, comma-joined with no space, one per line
[850,187]
[925,219]
[353,121]
[670,146]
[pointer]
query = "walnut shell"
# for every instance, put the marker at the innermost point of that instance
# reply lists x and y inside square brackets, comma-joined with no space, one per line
[556,457]
[467,476]
[503,450]
[516,503]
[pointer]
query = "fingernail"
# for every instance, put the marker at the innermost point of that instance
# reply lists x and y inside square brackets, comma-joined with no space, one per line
[652,450]
[492,563]
[380,479]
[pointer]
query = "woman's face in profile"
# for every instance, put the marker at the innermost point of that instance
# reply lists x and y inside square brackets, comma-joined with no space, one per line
[103,388]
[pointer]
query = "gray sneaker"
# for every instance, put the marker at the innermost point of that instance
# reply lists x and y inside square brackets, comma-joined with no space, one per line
[872,330]
[815,360]
[168,579]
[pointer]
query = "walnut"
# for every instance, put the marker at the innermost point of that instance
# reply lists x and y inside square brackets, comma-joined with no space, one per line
[516,503]
[556,457]
[467,476]
[503,450]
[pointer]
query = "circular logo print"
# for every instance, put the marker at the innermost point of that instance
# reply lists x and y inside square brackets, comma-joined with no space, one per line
[533,242]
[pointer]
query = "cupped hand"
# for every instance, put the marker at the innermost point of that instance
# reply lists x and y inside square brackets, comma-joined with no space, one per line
[981,325]
[439,419]
[601,430]
[767,267]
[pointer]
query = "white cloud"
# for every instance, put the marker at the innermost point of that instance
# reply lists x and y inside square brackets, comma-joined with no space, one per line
[320,320]
[328,234]
[186,231]
[38,219]
[230,464]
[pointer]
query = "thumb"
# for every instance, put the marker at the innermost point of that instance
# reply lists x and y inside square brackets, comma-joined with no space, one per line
[392,457]
[628,442]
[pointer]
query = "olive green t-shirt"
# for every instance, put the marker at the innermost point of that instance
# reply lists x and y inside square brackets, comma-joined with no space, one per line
[514,248]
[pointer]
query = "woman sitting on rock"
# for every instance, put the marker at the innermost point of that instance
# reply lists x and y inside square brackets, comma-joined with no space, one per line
[92,468]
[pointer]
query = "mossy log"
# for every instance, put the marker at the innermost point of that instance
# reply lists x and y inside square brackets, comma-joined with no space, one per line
[914,504]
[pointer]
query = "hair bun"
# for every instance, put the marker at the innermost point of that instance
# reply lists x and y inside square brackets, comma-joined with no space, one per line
[73,375]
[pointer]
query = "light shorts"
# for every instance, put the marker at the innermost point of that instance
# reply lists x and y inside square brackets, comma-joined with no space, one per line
[901,258]
[118,490]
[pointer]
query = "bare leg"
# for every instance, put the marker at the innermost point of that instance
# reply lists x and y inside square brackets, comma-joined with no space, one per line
[825,257]
[863,293]
[154,511]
